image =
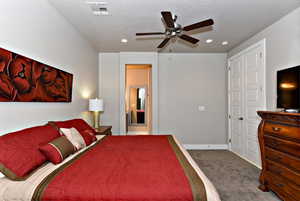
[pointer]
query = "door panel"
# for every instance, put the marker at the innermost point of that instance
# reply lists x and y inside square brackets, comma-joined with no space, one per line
[247,96]
[254,100]
[236,102]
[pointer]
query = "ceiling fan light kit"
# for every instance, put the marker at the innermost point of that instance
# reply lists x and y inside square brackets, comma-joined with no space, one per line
[173,29]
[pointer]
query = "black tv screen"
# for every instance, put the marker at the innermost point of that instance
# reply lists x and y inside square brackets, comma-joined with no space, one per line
[288,88]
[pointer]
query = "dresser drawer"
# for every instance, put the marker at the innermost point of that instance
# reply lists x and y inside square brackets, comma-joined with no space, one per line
[278,184]
[285,146]
[282,171]
[282,158]
[282,130]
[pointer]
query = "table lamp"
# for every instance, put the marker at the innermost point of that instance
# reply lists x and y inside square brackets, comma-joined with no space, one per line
[96,106]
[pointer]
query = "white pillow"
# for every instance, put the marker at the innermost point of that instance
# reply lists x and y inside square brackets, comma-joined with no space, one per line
[74,137]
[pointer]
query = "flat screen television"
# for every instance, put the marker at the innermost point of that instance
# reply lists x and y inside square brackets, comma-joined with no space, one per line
[288,89]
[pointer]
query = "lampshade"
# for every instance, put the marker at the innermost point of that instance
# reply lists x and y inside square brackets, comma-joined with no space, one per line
[96,105]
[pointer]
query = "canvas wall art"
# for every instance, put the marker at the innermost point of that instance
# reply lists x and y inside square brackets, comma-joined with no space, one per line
[25,80]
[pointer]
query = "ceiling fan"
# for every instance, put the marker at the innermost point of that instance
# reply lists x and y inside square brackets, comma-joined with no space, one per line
[174,29]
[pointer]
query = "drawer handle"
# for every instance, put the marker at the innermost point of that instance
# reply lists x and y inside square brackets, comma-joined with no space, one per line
[280,185]
[276,129]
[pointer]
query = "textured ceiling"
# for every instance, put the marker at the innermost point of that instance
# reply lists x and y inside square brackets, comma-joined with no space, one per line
[235,21]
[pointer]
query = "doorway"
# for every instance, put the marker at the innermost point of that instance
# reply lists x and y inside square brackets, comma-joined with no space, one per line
[138,99]
[246,89]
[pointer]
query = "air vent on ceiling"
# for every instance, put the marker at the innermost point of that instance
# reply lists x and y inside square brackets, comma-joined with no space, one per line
[98,7]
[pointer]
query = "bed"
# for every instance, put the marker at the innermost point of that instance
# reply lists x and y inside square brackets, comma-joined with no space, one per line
[117,168]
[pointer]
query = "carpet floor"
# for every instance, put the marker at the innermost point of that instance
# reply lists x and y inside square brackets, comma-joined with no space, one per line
[234,178]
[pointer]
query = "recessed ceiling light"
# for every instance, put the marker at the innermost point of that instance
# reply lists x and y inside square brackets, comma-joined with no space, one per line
[225,43]
[209,40]
[124,40]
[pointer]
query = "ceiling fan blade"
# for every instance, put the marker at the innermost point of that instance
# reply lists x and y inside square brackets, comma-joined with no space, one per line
[189,39]
[150,33]
[163,43]
[167,16]
[199,25]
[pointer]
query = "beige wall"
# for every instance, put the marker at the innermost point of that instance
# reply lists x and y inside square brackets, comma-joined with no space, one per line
[139,75]
[186,81]
[282,50]
[35,29]
[109,89]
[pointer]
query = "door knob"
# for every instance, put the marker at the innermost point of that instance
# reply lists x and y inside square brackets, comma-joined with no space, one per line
[241,118]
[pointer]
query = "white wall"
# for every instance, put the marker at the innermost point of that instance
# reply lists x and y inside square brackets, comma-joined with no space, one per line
[282,50]
[33,28]
[185,82]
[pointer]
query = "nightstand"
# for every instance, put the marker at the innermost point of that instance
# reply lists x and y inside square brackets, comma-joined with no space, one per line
[103,130]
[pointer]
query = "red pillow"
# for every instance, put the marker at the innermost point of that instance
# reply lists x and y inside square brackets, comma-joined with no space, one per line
[88,137]
[19,154]
[79,124]
[58,150]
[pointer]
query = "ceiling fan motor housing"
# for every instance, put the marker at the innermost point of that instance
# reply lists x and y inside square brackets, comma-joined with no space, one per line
[172,32]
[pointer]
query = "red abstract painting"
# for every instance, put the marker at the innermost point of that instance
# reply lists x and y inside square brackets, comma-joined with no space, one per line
[25,80]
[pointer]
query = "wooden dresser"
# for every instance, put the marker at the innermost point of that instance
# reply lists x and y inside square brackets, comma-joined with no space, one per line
[279,139]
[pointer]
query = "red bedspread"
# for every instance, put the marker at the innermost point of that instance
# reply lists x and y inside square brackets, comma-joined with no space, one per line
[124,168]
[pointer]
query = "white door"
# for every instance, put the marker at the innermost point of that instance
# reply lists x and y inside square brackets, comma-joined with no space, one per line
[254,100]
[246,97]
[236,104]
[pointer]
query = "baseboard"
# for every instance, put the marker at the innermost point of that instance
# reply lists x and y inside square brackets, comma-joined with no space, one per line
[206,146]
[259,167]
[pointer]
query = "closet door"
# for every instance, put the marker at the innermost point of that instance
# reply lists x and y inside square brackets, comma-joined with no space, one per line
[254,100]
[246,97]
[236,104]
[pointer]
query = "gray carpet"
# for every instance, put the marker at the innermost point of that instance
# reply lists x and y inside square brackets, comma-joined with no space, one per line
[234,178]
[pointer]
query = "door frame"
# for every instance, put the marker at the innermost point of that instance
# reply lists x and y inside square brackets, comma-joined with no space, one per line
[242,52]
[147,58]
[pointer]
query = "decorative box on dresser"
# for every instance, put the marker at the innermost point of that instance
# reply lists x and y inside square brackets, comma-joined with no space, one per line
[279,139]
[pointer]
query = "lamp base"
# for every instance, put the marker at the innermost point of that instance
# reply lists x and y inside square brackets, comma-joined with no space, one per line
[96,120]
